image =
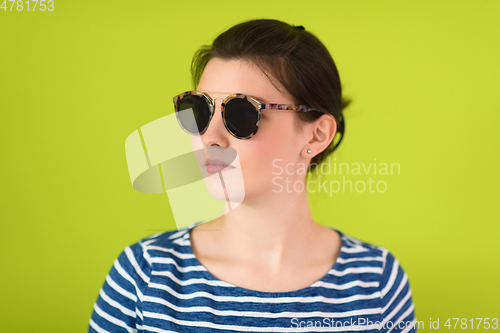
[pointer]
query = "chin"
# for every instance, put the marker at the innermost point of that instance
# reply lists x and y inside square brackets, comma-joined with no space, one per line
[234,186]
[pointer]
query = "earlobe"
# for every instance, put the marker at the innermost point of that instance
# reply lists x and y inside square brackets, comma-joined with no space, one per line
[308,153]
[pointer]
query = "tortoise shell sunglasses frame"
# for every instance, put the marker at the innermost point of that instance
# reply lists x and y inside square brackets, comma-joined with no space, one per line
[259,106]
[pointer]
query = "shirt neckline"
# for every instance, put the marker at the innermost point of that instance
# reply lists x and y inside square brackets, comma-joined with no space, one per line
[250,292]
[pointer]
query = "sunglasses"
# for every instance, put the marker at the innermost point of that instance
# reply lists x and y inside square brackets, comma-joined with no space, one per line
[241,113]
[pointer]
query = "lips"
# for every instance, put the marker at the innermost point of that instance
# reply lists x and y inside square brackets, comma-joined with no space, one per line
[216,162]
[215,165]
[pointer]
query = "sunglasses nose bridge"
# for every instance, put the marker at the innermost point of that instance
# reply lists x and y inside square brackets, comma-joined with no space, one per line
[216,114]
[221,101]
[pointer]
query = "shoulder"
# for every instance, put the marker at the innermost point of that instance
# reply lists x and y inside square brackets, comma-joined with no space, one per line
[364,256]
[387,267]
[162,244]
[136,262]
[393,287]
[129,277]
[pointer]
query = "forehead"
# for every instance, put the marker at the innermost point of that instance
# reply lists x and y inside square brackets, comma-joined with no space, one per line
[223,77]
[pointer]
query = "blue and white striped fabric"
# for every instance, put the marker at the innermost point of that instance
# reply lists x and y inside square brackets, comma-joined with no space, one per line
[158,285]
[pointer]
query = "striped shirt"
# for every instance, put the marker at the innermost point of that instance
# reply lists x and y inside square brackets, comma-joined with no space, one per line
[158,285]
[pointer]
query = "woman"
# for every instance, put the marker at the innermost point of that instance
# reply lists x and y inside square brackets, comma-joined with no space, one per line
[265,266]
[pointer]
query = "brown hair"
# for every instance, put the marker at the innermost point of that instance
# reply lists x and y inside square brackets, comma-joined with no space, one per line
[291,55]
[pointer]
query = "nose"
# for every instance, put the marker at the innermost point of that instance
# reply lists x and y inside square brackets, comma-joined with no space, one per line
[216,131]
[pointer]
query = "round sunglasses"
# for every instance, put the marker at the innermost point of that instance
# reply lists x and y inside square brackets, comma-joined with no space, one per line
[241,113]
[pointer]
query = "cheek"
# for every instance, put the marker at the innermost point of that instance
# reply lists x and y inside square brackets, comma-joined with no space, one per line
[279,145]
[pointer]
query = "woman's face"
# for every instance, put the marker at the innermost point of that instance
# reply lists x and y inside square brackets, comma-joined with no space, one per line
[277,141]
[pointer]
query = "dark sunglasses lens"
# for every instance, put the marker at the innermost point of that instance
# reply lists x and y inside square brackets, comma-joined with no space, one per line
[201,113]
[241,117]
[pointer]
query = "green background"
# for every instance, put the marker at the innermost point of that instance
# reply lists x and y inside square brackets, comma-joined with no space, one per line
[75,82]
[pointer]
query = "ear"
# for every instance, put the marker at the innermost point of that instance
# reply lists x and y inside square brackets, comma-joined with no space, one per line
[322,132]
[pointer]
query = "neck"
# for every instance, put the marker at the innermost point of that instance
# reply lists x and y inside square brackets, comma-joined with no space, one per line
[271,228]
